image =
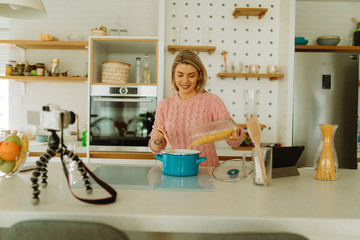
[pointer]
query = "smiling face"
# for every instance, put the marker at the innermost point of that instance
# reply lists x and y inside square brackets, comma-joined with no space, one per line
[186,78]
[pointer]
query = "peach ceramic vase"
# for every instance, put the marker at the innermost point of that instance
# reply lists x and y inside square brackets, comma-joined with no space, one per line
[326,161]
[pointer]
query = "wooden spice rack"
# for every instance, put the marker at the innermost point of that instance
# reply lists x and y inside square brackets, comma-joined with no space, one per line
[271,77]
[175,48]
[257,12]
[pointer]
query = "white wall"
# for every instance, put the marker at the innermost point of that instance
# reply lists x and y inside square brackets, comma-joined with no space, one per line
[314,19]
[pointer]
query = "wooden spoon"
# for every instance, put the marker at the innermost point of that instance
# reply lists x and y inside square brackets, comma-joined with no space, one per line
[168,141]
[254,129]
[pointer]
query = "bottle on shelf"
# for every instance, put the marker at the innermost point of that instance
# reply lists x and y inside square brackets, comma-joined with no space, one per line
[138,70]
[145,69]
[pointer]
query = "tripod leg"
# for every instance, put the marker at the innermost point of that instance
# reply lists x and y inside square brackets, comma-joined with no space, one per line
[40,167]
[81,169]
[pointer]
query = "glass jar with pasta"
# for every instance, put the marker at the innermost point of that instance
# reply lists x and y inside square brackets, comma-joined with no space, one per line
[211,132]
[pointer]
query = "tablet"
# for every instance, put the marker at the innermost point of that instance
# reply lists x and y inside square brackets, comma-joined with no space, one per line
[286,156]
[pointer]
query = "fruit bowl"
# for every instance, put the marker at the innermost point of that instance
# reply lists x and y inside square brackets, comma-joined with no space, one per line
[14,151]
[12,167]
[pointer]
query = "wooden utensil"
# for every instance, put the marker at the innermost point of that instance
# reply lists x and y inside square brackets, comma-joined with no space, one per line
[225,61]
[254,129]
[168,141]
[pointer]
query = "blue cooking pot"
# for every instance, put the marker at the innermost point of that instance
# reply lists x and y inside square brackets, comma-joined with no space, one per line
[182,162]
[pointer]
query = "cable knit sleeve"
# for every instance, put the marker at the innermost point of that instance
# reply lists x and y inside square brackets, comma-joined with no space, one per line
[159,121]
[219,110]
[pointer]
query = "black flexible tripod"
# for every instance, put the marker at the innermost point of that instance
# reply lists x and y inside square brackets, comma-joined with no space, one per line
[41,165]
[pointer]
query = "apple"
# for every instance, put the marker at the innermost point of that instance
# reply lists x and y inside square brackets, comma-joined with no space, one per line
[14,138]
[7,166]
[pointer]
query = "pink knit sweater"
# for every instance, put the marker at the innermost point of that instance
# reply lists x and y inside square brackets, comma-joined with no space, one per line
[177,115]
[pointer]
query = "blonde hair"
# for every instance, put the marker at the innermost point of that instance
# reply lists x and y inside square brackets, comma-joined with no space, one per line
[190,58]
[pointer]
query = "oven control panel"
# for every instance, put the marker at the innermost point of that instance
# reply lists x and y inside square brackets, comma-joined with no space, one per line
[123,90]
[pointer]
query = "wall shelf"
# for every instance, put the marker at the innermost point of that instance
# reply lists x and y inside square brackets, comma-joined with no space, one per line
[44,79]
[175,48]
[271,77]
[326,48]
[257,12]
[33,44]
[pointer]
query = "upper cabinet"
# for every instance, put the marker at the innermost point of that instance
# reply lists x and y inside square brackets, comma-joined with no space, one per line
[123,50]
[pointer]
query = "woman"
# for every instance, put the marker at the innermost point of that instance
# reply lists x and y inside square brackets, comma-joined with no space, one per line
[190,106]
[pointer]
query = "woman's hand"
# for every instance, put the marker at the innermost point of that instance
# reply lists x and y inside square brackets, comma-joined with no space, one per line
[236,139]
[158,134]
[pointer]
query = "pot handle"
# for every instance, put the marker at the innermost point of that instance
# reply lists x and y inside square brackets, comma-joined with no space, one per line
[159,157]
[201,159]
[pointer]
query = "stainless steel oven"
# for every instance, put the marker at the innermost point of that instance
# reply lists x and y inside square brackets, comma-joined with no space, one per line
[121,118]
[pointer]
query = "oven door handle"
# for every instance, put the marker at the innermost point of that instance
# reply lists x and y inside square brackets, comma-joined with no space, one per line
[142,100]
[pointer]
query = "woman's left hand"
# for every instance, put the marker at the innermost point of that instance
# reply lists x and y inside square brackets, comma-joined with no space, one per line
[236,139]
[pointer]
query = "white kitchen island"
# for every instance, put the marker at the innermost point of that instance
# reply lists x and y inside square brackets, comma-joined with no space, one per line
[300,204]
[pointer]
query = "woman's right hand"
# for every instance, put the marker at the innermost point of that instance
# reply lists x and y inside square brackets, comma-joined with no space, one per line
[158,134]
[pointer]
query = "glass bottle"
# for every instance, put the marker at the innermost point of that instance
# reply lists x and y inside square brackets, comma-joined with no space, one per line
[138,70]
[145,69]
[326,162]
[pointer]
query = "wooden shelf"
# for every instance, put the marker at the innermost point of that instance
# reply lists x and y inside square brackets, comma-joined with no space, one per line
[244,126]
[44,79]
[326,48]
[257,12]
[271,77]
[174,48]
[33,44]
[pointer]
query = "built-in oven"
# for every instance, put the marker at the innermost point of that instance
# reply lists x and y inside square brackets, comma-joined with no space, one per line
[121,117]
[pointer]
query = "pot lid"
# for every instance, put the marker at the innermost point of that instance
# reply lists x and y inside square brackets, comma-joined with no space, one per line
[232,170]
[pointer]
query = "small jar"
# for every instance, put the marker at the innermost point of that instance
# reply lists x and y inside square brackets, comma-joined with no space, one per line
[40,69]
[31,67]
[54,67]
[8,70]
[19,68]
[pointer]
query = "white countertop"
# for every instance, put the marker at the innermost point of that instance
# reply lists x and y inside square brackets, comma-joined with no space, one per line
[221,150]
[315,209]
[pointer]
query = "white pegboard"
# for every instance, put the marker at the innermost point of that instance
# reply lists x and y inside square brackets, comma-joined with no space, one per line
[246,39]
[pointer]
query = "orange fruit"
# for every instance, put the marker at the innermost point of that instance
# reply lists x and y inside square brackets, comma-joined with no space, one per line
[9,151]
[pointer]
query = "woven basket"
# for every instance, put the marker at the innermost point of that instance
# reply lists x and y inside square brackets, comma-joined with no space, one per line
[115,72]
